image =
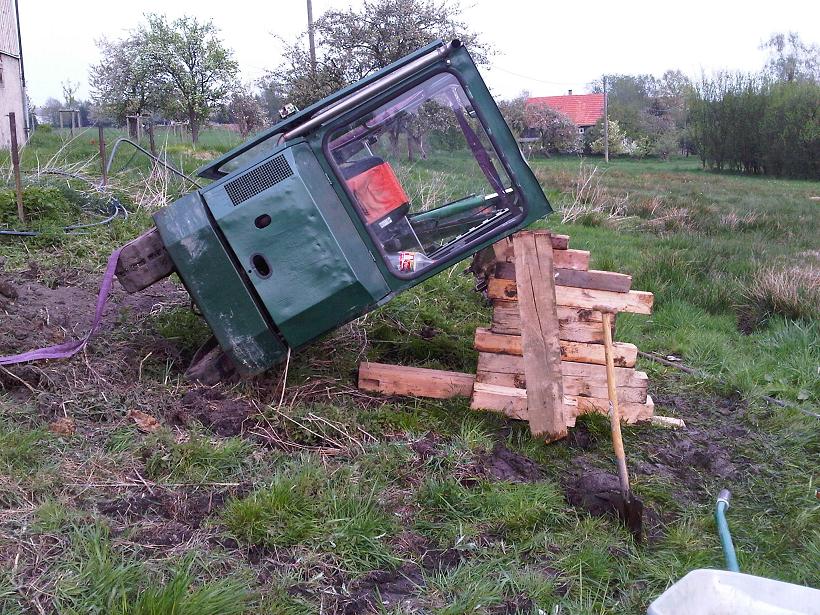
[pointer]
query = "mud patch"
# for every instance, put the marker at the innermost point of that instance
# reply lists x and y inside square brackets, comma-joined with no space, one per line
[426,447]
[505,465]
[386,590]
[707,449]
[225,417]
[599,493]
[168,534]
[517,605]
[189,509]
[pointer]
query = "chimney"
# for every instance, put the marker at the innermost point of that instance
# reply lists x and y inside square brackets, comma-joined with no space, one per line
[570,93]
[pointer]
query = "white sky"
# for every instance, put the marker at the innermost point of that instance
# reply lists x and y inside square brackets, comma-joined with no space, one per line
[550,46]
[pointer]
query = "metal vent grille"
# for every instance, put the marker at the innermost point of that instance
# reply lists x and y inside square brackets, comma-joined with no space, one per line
[258,180]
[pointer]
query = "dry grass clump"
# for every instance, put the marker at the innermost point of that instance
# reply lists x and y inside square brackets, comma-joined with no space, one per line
[792,293]
[592,202]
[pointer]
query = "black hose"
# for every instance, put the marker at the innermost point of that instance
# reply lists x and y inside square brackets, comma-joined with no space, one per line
[115,210]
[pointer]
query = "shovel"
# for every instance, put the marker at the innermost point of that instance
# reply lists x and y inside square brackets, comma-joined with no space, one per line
[632,510]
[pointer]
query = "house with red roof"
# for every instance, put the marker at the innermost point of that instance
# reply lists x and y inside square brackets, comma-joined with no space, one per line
[583,109]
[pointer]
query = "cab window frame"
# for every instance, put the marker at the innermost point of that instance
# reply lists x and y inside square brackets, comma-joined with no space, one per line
[371,106]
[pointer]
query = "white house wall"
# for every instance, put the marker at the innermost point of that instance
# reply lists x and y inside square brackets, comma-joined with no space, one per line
[11,86]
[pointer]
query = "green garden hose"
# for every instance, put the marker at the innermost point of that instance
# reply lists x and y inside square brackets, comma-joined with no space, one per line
[723,530]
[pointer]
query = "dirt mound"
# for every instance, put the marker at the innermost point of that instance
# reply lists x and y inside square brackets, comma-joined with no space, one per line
[210,407]
[41,309]
[189,509]
[503,464]
[386,590]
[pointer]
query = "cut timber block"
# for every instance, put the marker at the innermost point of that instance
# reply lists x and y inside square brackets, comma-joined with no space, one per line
[507,320]
[593,279]
[572,385]
[571,259]
[635,301]
[511,364]
[414,381]
[570,331]
[630,412]
[506,400]
[513,403]
[535,284]
[504,251]
[625,354]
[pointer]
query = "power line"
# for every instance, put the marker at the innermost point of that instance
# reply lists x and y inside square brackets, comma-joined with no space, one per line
[514,74]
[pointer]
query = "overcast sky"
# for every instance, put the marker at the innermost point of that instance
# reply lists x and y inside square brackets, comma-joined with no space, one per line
[543,47]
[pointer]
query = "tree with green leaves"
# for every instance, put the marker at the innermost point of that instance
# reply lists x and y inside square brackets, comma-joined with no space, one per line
[515,112]
[556,132]
[125,81]
[199,69]
[353,43]
[246,109]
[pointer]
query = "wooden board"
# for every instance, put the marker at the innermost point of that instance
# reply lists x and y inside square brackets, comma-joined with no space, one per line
[414,381]
[513,403]
[635,301]
[596,280]
[572,385]
[511,364]
[504,251]
[539,333]
[507,320]
[571,259]
[571,331]
[625,354]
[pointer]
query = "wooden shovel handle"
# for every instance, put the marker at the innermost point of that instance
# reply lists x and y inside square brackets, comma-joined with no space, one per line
[614,412]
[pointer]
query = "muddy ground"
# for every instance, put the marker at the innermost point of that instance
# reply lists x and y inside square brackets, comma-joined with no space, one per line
[40,308]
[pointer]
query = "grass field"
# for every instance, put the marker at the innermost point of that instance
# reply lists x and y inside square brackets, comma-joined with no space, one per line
[316,498]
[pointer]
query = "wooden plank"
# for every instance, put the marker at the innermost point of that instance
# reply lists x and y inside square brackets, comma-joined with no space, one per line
[593,279]
[635,301]
[571,259]
[630,412]
[582,352]
[506,319]
[414,381]
[572,385]
[513,403]
[511,364]
[539,332]
[569,331]
[506,400]
[505,252]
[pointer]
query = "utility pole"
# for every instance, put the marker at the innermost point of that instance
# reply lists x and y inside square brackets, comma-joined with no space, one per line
[310,37]
[606,125]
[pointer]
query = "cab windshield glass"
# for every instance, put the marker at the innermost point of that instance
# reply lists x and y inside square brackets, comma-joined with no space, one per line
[424,176]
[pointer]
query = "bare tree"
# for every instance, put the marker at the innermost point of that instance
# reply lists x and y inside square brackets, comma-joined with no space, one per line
[790,59]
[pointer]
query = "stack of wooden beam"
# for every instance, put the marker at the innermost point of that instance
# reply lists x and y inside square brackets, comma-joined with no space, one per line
[581,295]
[561,346]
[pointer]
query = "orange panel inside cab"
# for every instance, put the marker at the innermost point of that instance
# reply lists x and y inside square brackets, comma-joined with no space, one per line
[377,191]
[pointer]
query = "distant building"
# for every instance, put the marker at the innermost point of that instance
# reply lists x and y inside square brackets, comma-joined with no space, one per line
[12,79]
[583,109]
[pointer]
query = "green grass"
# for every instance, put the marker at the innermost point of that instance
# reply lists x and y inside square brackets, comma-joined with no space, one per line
[297,523]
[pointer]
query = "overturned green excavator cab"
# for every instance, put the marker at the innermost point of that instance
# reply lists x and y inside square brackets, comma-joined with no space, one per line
[338,207]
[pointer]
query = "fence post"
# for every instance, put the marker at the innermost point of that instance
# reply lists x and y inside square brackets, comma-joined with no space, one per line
[151,145]
[15,162]
[102,156]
